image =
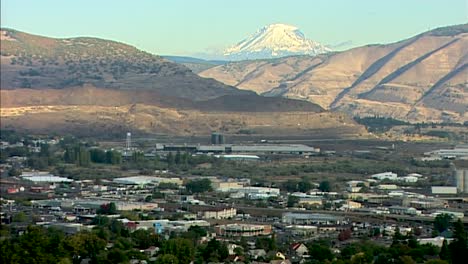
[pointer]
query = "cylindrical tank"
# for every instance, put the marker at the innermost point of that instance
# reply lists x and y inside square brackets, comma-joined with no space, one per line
[459,179]
[221,139]
[465,182]
[214,138]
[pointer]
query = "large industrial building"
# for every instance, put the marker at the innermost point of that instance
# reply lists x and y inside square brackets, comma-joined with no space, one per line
[232,148]
[459,152]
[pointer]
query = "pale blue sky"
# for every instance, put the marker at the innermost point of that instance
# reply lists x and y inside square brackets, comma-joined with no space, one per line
[183,27]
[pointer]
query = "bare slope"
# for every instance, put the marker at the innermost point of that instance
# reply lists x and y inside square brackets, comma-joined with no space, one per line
[95,111]
[424,78]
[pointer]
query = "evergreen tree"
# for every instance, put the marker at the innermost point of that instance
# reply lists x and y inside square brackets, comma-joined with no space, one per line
[459,248]
[444,251]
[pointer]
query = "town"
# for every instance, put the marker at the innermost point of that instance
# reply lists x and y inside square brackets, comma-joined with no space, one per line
[260,201]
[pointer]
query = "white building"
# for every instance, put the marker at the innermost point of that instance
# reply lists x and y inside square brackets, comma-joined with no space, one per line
[43,177]
[385,176]
[444,190]
[409,179]
[459,152]
[143,180]
[258,192]
[436,241]
[452,213]
[387,187]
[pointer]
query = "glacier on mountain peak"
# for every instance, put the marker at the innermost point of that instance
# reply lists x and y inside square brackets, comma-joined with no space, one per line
[272,41]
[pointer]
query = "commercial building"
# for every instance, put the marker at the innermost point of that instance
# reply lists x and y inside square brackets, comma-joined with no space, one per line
[219,214]
[403,210]
[302,230]
[243,230]
[257,192]
[424,203]
[310,200]
[226,186]
[90,205]
[311,219]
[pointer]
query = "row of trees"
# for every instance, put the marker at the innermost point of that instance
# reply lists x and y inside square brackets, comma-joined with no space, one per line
[49,245]
[82,156]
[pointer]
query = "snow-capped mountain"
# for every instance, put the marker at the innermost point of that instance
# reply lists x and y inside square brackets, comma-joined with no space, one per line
[273,41]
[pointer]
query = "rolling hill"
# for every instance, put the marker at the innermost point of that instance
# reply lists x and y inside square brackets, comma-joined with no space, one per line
[89,86]
[420,79]
[37,62]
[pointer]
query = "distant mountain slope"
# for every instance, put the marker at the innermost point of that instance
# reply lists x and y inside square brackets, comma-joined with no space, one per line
[196,65]
[424,78]
[274,41]
[30,61]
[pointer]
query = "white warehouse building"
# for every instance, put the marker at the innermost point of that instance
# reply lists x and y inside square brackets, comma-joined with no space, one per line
[385,176]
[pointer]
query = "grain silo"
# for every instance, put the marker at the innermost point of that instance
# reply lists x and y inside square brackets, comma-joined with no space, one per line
[461,178]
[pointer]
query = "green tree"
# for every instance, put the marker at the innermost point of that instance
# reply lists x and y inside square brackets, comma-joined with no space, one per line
[14,172]
[442,222]
[199,186]
[117,255]
[170,159]
[320,252]
[20,217]
[459,247]
[113,157]
[181,248]
[98,155]
[444,251]
[108,209]
[178,158]
[143,239]
[167,259]
[84,158]
[215,251]
[292,200]
[325,186]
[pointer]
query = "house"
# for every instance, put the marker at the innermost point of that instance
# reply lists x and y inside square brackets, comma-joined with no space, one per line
[257,254]
[280,255]
[235,258]
[232,247]
[299,249]
[151,251]
[280,261]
